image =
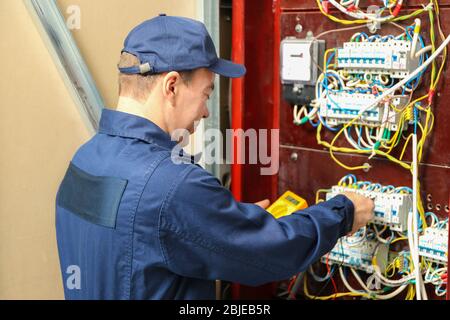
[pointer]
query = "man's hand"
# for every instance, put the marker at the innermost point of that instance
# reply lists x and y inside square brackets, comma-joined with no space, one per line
[263,204]
[363,210]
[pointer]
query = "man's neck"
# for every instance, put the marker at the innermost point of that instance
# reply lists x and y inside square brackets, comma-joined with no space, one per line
[131,106]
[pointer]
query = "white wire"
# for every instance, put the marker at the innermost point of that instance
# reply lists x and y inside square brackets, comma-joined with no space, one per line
[360,14]
[414,232]
[423,50]
[405,80]
[377,296]
[298,113]
[361,283]
[415,39]
[316,277]
[397,25]
[390,282]
[351,141]
[368,137]
[363,142]
[377,234]
[346,2]
[341,29]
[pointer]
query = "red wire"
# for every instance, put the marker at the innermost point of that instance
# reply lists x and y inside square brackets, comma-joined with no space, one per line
[332,280]
[291,283]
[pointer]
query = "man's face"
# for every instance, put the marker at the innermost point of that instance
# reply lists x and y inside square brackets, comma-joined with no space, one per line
[192,100]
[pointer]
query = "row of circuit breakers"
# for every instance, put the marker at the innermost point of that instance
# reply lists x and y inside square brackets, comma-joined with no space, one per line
[391,210]
[432,245]
[301,60]
[299,74]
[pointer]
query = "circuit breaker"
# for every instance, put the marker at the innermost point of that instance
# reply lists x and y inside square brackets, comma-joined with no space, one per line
[391,209]
[340,107]
[433,244]
[352,252]
[392,58]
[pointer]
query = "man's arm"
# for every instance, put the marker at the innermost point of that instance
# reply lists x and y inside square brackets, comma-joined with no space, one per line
[205,233]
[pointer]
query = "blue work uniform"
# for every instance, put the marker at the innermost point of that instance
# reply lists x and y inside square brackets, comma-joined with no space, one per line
[133,223]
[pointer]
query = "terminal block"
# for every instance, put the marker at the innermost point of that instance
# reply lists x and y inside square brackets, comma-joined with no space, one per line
[391,58]
[351,252]
[433,244]
[341,107]
[391,209]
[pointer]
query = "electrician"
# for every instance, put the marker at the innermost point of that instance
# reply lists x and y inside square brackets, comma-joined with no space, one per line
[132,223]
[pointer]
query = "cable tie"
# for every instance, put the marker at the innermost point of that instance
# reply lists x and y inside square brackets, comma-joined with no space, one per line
[352,8]
[427,7]
[397,9]
[325,6]
[430,96]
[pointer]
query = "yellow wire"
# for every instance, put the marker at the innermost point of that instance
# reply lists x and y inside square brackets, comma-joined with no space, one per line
[433,46]
[405,145]
[361,21]
[332,148]
[399,239]
[411,292]
[444,56]
[319,191]
[335,295]
[325,57]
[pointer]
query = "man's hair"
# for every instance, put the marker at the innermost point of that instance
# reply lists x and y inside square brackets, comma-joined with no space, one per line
[138,86]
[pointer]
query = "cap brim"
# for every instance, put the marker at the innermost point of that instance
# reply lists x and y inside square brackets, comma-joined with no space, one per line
[228,69]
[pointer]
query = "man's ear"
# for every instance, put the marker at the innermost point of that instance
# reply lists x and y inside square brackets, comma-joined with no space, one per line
[170,87]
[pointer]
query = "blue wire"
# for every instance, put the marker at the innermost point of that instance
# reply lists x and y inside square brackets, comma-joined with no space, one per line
[315,125]
[359,136]
[352,176]
[329,60]
[326,126]
[419,76]
[415,119]
[372,38]
[377,185]
[351,139]
[405,188]
[363,33]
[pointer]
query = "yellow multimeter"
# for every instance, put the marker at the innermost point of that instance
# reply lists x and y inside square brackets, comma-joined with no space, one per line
[287,204]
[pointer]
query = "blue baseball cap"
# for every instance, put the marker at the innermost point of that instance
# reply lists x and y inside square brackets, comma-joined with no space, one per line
[167,43]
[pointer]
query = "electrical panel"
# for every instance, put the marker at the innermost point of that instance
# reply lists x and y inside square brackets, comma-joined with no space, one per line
[433,244]
[352,252]
[392,58]
[391,209]
[325,135]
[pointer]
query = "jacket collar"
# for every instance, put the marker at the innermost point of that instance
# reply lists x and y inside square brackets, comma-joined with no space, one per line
[126,125]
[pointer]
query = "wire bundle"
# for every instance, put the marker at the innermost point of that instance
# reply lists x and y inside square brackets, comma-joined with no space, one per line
[399,274]
[381,139]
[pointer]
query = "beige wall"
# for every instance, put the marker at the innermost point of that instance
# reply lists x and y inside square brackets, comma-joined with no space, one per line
[40,129]
[104,26]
